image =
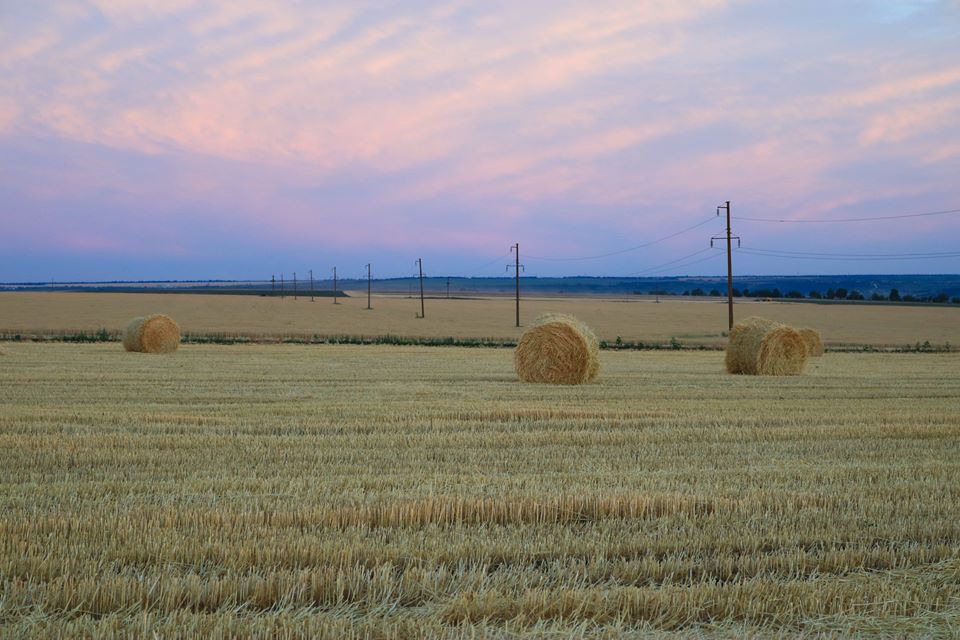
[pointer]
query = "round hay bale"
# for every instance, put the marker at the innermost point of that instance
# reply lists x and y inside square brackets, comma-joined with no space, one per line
[814,342]
[758,346]
[156,333]
[557,349]
[782,353]
[131,335]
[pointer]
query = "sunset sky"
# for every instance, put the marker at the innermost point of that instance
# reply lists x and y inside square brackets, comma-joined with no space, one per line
[173,139]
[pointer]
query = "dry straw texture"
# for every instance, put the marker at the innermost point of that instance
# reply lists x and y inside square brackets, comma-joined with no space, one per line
[224,493]
[154,334]
[558,349]
[759,346]
[131,336]
[813,341]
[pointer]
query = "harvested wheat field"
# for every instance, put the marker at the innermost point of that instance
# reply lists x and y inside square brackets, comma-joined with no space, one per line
[692,322]
[281,491]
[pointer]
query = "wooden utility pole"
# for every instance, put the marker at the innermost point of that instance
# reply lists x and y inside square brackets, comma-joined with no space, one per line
[728,238]
[368,287]
[420,264]
[517,267]
[294,285]
[282,295]
[335,286]
[311,285]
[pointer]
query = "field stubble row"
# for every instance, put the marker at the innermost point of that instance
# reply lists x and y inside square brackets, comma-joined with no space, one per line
[284,490]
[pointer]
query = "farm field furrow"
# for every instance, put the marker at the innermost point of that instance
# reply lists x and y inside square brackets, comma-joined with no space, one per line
[288,490]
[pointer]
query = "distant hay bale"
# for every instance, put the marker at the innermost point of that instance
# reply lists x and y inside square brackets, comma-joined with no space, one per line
[558,349]
[758,346]
[156,333]
[811,337]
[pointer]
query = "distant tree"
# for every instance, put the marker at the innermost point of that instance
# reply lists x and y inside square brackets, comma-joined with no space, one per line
[815,295]
[841,293]
[698,292]
[714,293]
[746,293]
[909,298]
[776,293]
[877,297]
[737,293]
[942,297]
[854,295]
[794,294]
[687,292]
[955,300]
[831,294]
[894,295]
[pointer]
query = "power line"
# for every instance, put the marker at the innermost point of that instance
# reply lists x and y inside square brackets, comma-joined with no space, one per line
[487,264]
[614,253]
[680,266]
[848,257]
[869,219]
[667,265]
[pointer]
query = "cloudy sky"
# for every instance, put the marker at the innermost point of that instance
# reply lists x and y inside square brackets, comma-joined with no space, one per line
[189,139]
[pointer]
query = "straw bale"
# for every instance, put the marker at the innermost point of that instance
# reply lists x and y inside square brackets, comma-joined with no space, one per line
[813,341]
[558,349]
[131,335]
[758,346]
[156,333]
[782,353]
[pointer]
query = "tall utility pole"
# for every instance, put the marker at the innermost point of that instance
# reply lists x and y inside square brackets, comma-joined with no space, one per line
[335,286]
[517,267]
[729,261]
[420,263]
[294,285]
[368,286]
[281,286]
[311,285]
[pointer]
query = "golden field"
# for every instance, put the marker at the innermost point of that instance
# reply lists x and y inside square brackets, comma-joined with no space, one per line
[694,322]
[338,491]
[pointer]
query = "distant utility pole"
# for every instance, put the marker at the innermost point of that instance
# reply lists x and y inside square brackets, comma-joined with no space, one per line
[311,285]
[273,284]
[281,286]
[517,267]
[335,286]
[294,285]
[368,287]
[420,263]
[729,260]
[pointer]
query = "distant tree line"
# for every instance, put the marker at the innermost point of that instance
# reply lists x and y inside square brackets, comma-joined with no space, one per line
[831,294]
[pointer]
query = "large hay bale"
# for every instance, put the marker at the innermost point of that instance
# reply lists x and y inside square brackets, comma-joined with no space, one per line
[131,336]
[811,337]
[758,346]
[558,349]
[156,333]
